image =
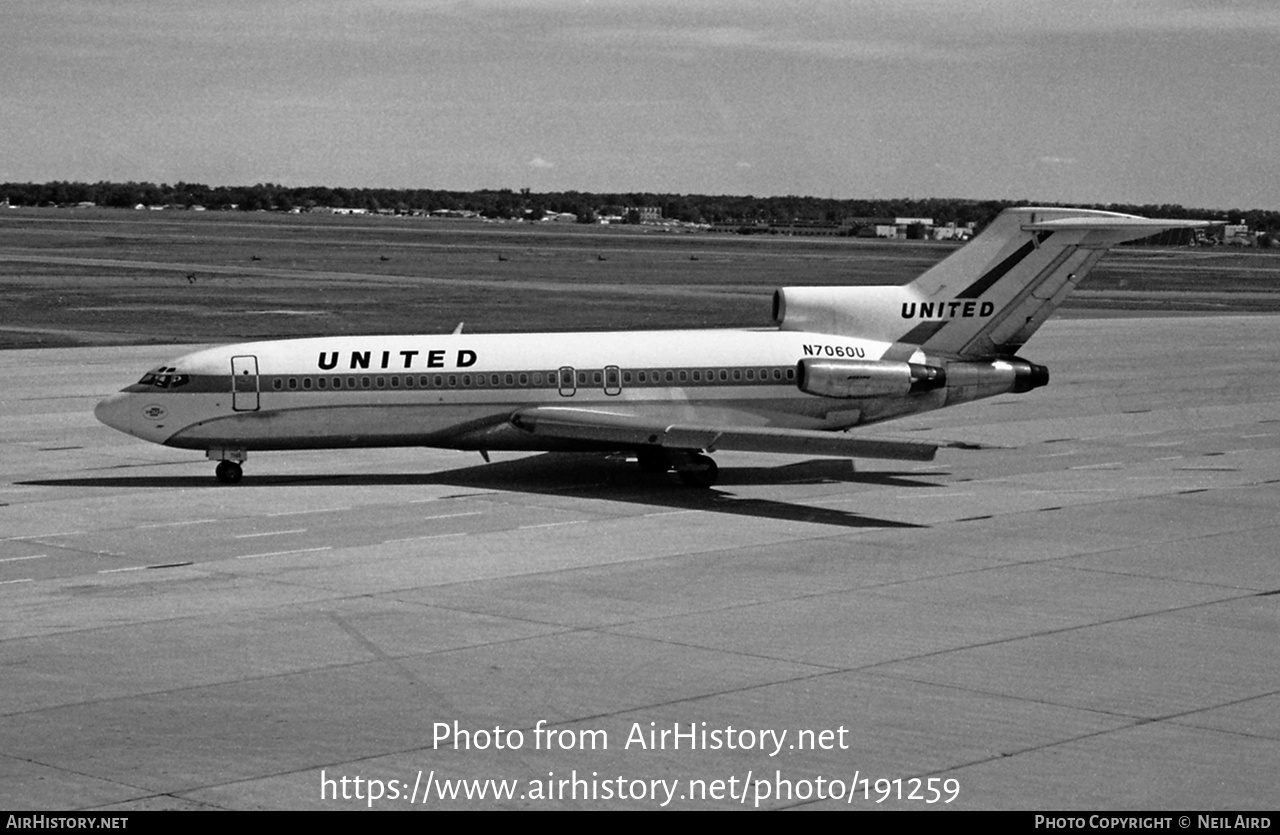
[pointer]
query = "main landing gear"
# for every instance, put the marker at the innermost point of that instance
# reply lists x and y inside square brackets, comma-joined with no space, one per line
[698,471]
[228,470]
[693,468]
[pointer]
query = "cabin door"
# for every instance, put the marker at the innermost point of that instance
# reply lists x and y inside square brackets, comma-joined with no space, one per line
[568,383]
[244,383]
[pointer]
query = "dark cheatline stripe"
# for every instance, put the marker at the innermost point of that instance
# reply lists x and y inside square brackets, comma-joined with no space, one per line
[479,381]
[921,332]
[984,284]
[899,352]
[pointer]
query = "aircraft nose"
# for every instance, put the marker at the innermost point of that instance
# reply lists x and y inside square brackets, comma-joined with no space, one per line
[114,412]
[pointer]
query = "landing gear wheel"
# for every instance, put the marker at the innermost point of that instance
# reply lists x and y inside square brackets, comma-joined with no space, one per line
[700,472]
[229,472]
[653,460]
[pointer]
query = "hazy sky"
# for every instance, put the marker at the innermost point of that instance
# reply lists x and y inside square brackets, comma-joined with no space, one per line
[1134,101]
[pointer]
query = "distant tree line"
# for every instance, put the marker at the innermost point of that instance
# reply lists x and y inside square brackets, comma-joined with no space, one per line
[747,211]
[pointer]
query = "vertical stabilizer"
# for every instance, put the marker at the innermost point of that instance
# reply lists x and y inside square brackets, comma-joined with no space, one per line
[987,298]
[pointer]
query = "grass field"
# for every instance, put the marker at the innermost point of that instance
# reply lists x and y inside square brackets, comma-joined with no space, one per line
[97,276]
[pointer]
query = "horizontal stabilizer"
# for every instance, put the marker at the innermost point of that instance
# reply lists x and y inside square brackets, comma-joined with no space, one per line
[631,432]
[1114,221]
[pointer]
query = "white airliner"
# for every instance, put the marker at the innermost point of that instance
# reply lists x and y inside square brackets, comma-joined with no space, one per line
[840,357]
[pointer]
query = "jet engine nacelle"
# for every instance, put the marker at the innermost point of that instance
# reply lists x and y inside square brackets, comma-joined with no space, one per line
[869,312]
[974,380]
[866,378]
[963,381]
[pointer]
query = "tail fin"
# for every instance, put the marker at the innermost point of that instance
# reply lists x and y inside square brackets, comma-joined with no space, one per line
[984,300]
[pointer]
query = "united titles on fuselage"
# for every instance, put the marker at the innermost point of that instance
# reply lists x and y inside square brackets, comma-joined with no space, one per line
[462,358]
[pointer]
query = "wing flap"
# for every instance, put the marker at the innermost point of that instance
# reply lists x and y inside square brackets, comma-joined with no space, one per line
[629,431]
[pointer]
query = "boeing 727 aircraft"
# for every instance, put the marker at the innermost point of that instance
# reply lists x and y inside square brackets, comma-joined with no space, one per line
[840,357]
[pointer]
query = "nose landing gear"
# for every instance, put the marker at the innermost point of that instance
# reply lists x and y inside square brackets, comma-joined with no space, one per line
[228,470]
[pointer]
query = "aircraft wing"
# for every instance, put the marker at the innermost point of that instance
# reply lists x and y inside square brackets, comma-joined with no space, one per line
[631,432]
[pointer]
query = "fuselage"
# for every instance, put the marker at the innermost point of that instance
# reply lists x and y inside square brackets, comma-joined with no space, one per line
[456,390]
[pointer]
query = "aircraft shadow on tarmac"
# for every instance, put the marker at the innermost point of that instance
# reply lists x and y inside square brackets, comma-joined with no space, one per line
[589,476]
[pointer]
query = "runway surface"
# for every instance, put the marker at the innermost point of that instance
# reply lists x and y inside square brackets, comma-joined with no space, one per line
[1082,615]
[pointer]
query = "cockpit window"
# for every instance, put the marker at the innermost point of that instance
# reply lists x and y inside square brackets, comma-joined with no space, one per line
[164,378]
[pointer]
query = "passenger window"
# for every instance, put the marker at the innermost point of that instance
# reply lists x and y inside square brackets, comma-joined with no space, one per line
[697,376]
[395,382]
[293,383]
[306,382]
[364,382]
[684,376]
[277,384]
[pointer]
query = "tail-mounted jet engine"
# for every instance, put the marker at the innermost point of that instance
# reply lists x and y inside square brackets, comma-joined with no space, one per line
[962,380]
[866,378]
